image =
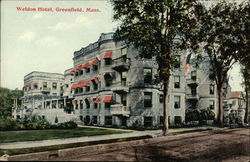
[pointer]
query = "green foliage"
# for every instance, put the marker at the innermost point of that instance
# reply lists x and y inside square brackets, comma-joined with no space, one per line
[33,122]
[9,124]
[192,115]
[67,125]
[6,101]
[156,27]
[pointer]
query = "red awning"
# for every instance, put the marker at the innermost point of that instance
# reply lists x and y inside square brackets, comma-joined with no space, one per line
[108,55]
[94,62]
[75,85]
[107,99]
[97,100]
[79,67]
[72,71]
[86,65]
[27,85]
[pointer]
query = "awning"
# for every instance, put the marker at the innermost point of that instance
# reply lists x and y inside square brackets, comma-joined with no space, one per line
[107,99]
[94,62]
[108,55]
[35,83]
[86,65]
[27,85]
[79,67]
[73,86]
[97,100]
[72,71]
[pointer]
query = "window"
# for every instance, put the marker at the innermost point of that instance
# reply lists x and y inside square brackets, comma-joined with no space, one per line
[95,105]
[193,91]
[76,104]
[87,70]
[76,73]
[95,85]
[193,75]
[107,105]
[94,119]
[35,86]
[161,98]
[177,102]
[124,54]
[81,72]
[54,85]
[177,62]
[95,68]
[161,120]
[45,85]
[211,89]
[124,99]
[108,120]
[177,119]
[87,103]
[108,80]
[124,78]
[81,117]
[147,75]
[87,88]
[107,61]
[147,99]
[81,104]
[176,81]
[234,103]
[87,119]
[148,121]
[211,104]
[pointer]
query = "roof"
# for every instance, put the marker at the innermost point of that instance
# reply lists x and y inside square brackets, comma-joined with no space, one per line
[235,95]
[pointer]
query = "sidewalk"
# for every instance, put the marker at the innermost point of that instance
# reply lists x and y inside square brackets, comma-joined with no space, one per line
[152,133]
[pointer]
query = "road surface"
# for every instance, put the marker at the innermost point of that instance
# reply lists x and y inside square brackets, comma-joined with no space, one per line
[217,145]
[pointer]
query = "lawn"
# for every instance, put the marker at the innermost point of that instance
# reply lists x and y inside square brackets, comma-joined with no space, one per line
[35,135]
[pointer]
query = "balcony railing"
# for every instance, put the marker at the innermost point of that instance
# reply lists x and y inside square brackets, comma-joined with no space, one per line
[192,96]
[121,63]
[193,82]
[119,109]
[120,86]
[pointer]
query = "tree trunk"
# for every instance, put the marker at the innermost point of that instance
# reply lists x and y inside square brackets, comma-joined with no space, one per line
[220,107]
[246,110]
[165,106]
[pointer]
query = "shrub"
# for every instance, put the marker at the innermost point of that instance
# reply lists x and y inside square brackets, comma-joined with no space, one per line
[67,125]
[9,124]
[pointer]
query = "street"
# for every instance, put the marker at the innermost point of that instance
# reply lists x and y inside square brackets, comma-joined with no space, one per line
[216,145]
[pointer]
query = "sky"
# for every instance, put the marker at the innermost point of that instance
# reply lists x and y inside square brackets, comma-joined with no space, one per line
[46,41]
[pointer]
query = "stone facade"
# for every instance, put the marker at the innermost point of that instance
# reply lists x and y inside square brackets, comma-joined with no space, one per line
[111,85]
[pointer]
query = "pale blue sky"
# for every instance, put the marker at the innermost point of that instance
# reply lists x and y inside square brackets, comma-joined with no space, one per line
[46,41]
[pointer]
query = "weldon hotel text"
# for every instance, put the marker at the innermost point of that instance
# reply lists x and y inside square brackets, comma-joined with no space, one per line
[57,9]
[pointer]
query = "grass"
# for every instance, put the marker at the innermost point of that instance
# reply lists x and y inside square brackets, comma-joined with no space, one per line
[36,135]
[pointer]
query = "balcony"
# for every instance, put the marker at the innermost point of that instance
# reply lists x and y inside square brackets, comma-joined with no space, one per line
[120,87]
[193,82]
[192,96]
[46,90]
[119,109]
[121,64]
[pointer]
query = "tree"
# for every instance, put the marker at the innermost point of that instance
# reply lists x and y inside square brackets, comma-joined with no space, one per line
[224,34]
[156,28]
[7,97]
[245,71]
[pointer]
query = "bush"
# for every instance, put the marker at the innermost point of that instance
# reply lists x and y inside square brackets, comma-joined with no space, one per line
[9,124]
[67,125]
